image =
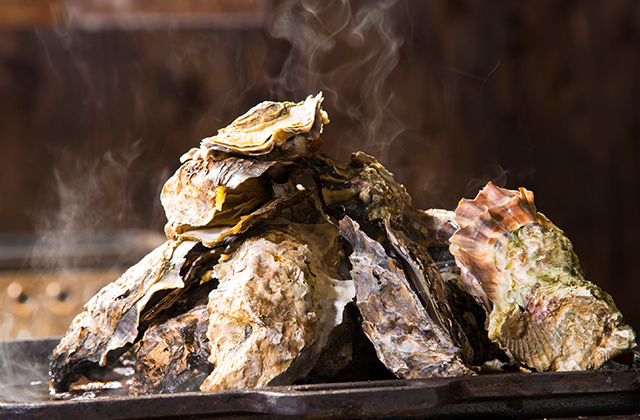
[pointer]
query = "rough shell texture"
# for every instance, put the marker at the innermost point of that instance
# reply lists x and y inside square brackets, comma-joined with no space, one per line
[173,356]
[370,195]
[286,128]
[545,314]
[111,318]
[206,192]
[406,339]
[273,311]
[215,235]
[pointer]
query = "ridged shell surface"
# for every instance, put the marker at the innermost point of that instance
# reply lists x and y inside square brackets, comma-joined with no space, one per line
[288,128]
[544,313]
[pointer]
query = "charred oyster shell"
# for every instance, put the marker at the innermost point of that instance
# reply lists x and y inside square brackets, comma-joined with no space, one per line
[370,195]
[173,356]
[406,338]
[111,318]
[544,313]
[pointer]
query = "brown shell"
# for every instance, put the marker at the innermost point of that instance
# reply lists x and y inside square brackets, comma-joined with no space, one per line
[111,318]
[406,338]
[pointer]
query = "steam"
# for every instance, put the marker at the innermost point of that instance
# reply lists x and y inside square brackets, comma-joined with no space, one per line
[347,50]
[94,202]
[23,370]
[494,173]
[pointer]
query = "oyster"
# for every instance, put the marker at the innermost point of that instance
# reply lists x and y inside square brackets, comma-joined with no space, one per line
[543,312]
[370,195]
[111,318]
[203,190]
[273,311]
[173,356]
[406,338]
[272,130]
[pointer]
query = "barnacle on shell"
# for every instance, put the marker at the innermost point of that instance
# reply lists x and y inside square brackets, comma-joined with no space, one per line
[544,313]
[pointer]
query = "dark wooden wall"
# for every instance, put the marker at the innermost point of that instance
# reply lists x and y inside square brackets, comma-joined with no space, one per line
[448,95]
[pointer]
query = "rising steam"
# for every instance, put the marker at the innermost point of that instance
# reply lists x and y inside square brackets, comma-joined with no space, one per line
[347,50]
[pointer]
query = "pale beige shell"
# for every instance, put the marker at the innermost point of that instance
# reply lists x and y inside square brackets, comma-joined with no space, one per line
[206,193]
[292,128]
[544,313]
[273,311]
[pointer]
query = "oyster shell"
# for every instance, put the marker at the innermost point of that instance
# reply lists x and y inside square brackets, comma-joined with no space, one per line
[173,356]
[207,192]
[270,129]
[214,235]
[369,194]
[111,318]
[406,338]
[273,311]
[544,313]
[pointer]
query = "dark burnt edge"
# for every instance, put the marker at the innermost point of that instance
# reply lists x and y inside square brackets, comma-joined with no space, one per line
[173,302]
[331,175]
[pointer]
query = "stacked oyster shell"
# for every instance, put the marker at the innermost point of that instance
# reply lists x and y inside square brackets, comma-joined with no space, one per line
[263,281]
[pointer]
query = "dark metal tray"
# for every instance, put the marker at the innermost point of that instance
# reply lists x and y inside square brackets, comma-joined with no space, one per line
[611,393]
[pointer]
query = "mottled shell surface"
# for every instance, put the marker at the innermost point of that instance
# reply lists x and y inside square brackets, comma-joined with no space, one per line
[544,313]
[203,193]
[173,356]
[371,196]
[111,318]
[406,338]
[288,127]
[272,312]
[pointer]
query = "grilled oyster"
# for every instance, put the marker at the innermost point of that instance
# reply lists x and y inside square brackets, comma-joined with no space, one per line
[173,356]
[369,194]
[207,192]
[111,318]
[544,313]
[274,309]
[271,130]
[406,338]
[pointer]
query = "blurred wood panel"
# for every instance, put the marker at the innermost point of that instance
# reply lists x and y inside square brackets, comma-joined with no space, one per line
[448,94]
[44,304]
[133,14]
[30,13]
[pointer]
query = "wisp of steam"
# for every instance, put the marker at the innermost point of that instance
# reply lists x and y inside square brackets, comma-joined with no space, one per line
[347,50]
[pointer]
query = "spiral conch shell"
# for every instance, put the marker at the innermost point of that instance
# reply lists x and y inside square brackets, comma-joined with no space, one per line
[543,312]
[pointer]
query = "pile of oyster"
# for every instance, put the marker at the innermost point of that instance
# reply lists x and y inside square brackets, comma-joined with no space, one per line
[264,280]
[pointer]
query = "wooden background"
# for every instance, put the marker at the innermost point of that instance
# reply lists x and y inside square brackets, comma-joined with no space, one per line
[448,95]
